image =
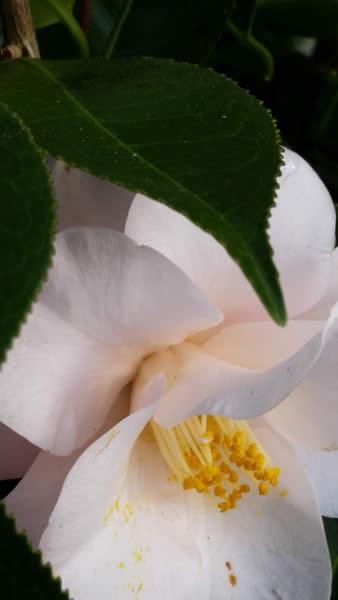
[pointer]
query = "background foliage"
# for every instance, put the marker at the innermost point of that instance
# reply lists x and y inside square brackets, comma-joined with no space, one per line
[285,52]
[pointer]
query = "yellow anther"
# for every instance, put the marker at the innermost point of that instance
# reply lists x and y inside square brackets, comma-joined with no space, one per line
[273,475]
[249,464]
[244,488]
[218,439]
[233,476]
[210,454]
[215,453]
[264,489]
[224,506]
[259,461]
[219,491]
[188,483]
[265,475]
[236,456]
[239,438]
[224,468]
[218,478]
[199,485]
[252,451]
[283,493]
[209,473]
[227,441]
[192,460]
[232,579]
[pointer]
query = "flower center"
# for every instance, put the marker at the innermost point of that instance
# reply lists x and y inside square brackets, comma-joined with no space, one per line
[216,455]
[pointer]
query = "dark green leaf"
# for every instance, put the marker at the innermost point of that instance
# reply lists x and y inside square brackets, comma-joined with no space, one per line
[312,18]
[26,224]
[180,134]
[44,12]
[49,12]
[22,574]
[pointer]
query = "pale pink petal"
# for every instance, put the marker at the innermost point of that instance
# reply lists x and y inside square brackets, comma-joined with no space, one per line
[261,345]
[142,535]
[275,545]
[309,416]
[321,310]
[302,231]
[199,383]
[34,498]
[322,468]
[83,199]
[106,304]
[16,454]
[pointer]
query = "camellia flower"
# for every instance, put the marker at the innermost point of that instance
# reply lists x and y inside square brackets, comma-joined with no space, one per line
[200,492]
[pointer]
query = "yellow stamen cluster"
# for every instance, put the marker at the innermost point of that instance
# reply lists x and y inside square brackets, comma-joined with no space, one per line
[213,454]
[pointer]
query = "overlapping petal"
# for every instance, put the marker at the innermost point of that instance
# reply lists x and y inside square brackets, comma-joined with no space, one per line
[34,498]
[130,530]
[309,416]
[86,200]
[302,233]
[199,382]
[106,304]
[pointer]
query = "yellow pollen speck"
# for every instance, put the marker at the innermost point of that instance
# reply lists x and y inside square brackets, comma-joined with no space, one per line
[263,489]
[283,493]
[232,579]
[138,557]
[121,565]
[117,504]
[219,491]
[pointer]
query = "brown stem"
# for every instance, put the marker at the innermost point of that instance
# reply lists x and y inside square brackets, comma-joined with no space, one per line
[19,31]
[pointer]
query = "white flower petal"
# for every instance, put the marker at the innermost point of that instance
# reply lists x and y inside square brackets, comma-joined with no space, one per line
[302,231]
[123,295]
[16,454]
[322,468]
[309,416]
[145,536]
[83,199]
[200,383]
[261,345]
[275,545]
[34,498]
[57,385]
[96,477]
[321,310]
[106,304]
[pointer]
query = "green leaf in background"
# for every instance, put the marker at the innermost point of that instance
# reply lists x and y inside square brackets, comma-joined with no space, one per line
[183,135]
[45,13]
[180,29]
[22,574]
[312,18]
[26,224]
[49,12]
